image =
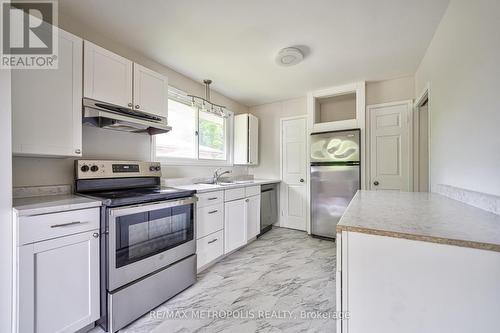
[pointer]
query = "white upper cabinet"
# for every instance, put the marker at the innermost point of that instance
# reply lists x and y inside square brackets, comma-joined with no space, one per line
[46,105]
[114,79]
[150,91]
[246,139]
[107,76]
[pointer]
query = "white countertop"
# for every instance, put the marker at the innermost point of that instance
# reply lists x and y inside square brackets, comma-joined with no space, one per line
[52,204]
[422,216]
[204,188]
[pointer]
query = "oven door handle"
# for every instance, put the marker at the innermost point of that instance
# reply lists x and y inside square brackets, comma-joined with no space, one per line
[151,206]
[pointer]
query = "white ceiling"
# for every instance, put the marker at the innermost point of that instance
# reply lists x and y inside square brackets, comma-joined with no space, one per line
[234,42]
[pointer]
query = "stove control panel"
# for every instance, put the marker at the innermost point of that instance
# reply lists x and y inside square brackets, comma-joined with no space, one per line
[90,169]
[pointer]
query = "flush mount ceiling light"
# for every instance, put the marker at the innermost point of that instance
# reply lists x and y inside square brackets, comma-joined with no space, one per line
[289,56]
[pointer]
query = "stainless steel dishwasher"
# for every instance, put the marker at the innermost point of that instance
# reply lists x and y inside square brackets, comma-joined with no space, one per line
[268,207]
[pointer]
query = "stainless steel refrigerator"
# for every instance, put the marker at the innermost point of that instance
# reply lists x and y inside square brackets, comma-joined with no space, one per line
[335,178]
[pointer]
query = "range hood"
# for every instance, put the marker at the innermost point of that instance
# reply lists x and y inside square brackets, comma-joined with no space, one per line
[110,116]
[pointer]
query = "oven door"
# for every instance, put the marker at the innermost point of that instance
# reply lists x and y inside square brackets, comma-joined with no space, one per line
[145,238]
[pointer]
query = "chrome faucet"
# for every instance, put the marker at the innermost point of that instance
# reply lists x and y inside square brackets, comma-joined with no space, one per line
[217,175]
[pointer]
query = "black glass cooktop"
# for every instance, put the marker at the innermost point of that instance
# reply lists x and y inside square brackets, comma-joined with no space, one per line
[138,195]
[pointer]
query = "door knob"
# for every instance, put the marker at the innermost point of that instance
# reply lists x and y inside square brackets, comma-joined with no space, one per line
[376,183]
[95,235]
[137,106]
[301,180]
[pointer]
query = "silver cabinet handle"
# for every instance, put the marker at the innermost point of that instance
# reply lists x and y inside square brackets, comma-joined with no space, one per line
[213,211]
[214,198]
[376,183]
[95,235]
[130,104]
[78,151]
[137,106]
[301,180]
[66,224]
[247,200]
[213,240]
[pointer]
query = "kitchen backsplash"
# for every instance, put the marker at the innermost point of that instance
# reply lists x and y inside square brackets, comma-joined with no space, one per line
[488,202]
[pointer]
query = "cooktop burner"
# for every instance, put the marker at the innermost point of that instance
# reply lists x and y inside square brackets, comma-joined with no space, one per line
[138,195]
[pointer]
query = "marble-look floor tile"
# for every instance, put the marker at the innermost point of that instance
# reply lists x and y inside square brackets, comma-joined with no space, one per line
[275,279]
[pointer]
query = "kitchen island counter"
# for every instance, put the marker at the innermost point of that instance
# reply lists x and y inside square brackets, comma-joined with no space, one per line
[422,216]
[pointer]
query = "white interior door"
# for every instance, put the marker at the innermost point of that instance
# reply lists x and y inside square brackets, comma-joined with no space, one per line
[294,169]
[390,146]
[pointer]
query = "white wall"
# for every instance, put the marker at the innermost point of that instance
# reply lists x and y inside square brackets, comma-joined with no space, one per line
[392,90]
[269,119]
[5,203]
[106,144]
[269,133]
[462,65]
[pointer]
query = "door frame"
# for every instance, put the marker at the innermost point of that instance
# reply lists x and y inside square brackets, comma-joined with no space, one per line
[281,205]
[423,97]
[369,108]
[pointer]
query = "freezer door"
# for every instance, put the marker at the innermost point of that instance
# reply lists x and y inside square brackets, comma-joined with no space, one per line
[341,146]
[332,188]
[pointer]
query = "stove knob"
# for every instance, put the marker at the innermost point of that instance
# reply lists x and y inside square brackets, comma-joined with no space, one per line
[94,168]
[152,168]
[84,168]
[158,168]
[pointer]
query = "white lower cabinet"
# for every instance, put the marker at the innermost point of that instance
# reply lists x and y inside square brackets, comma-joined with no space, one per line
[209,220]
[253,216]
[235,225]
[210,248]
[57,279]
[226,220]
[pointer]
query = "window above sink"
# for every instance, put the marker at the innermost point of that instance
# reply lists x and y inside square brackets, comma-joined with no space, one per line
[197,137]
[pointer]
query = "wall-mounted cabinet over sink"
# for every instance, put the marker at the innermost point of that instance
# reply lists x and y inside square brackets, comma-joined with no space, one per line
[111,78]
[246,139]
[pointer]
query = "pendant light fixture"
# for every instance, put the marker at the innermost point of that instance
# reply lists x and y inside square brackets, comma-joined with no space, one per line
[206,105]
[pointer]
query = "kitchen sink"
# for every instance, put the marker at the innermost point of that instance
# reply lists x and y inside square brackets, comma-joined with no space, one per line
[227,183]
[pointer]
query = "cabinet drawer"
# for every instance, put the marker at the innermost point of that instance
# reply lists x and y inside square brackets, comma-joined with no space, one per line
[209,220]
[210,248]
[252,190]
[211,198]
[234,194]
[41,227]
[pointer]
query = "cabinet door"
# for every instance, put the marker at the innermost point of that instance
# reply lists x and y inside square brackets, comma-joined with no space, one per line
[241,139]
[209,248]
[235,225]
[253,140]
[59,284]
[253,216]
[46,105]
[107,76]
[150,91]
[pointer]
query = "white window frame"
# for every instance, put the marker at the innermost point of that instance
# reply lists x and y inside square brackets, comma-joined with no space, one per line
[176,161]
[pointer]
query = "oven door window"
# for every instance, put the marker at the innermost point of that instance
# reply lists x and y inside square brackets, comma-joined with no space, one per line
[145,234]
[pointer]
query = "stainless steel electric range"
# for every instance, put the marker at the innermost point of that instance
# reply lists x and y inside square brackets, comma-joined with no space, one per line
[148,241]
